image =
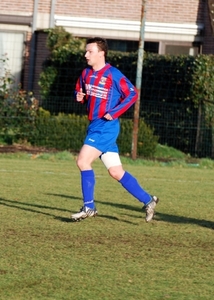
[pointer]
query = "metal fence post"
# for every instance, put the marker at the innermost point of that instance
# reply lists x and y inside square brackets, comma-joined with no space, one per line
[138,81]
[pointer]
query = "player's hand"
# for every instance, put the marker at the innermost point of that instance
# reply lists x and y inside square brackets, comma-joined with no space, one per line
[80,95]
[108,117]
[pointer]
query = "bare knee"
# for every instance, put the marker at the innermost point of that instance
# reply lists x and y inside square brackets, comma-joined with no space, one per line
[79,163]
[82,164]
[116,172]
[86,157]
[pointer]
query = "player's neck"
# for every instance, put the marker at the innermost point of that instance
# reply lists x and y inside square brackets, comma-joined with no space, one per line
[99,66]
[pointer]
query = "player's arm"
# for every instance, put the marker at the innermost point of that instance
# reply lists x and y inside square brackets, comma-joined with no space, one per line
[129,96]
[79,94]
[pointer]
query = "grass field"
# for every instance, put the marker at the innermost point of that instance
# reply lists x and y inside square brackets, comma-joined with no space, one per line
[115,256]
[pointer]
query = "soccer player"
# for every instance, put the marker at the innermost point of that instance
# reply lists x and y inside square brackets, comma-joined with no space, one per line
[108,94]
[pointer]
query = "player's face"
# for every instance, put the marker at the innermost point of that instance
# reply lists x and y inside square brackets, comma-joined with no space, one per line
[93,55]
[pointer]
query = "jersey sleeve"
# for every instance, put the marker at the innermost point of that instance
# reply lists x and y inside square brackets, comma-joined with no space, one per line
[128,94]
[80,85]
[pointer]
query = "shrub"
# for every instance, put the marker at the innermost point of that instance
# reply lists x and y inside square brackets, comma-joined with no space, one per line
[67,132]
[18,109]
[147,141]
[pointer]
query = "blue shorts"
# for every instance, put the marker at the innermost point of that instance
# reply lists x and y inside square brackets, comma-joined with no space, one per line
[102,135]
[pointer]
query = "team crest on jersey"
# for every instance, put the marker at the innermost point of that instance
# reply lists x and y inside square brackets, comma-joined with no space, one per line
[103,80]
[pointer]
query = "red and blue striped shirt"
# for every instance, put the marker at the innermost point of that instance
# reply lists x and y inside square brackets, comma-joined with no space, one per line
[107,91]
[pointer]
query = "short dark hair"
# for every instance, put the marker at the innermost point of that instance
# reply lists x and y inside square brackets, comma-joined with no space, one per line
[101,43]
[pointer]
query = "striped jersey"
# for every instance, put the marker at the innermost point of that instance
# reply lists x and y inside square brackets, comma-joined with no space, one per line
[107,91]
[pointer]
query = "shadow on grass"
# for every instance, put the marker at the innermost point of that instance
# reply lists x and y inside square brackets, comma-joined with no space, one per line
[158,216]
[30,208]
[165,217]
[63,219]
[101,202]
[184,220]
[67,220]
[19,205]
[64,196]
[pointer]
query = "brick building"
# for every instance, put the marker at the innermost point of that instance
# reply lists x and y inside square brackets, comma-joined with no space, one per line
[172,26]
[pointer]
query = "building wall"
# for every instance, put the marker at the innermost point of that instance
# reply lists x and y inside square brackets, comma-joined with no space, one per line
[13,6]
[166,21]
[157,10]
[208,39]
[175,11]
[171,11]
[43,53]
[107,9]
[123,13]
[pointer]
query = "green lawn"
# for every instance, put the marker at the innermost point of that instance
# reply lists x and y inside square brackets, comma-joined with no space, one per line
[115,256]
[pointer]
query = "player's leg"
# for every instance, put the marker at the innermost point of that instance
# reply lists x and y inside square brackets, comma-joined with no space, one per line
[84,162]
[112,162]
[101,134]
[130,183]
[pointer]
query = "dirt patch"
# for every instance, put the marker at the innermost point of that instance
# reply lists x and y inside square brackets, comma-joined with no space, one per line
[27,149]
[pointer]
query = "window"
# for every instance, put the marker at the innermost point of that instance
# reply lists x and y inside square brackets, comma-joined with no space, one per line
[125,46]
[152,47]
[179,48]
[12,47]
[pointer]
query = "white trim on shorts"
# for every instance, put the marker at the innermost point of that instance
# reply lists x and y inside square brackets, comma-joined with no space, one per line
[110,159]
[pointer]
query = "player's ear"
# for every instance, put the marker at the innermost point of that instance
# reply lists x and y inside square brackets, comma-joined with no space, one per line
[102,53]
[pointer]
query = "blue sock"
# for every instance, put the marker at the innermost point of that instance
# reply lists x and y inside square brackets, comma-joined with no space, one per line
[88,183]
[132,186]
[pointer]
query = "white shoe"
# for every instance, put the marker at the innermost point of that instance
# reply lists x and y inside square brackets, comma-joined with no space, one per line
[84,213]
[150,208]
